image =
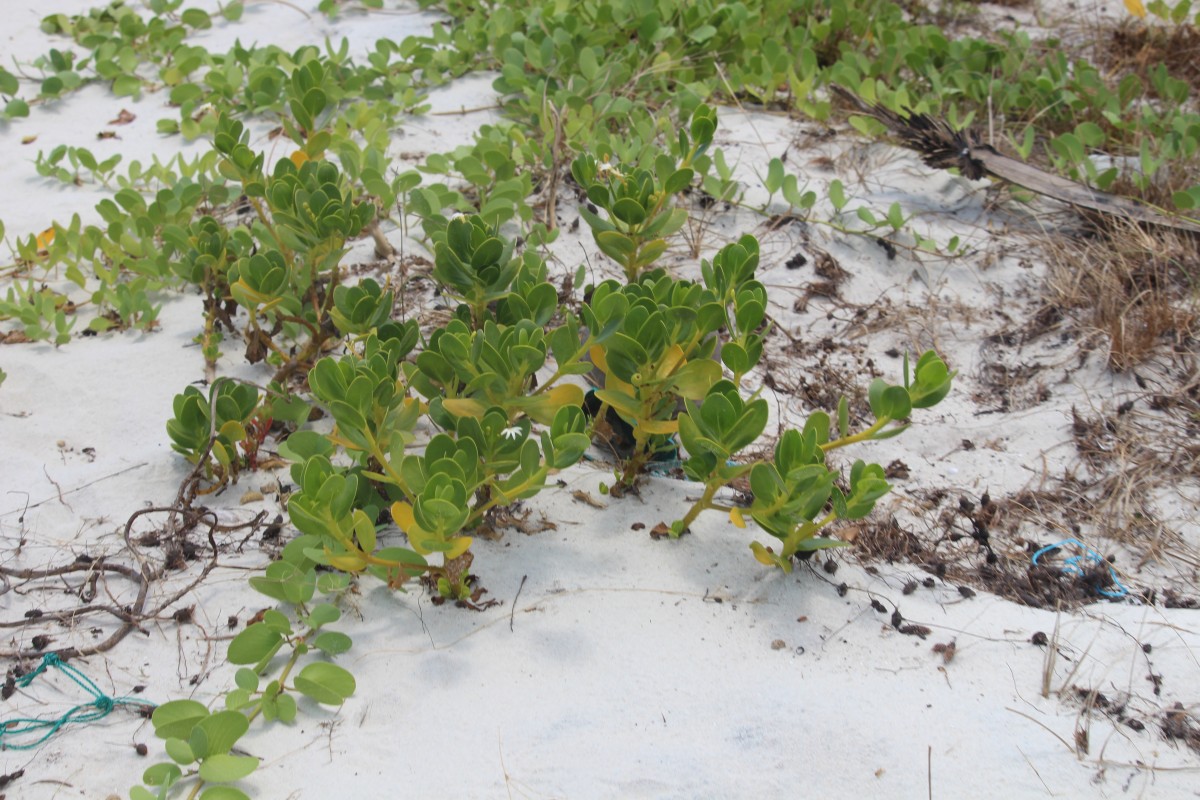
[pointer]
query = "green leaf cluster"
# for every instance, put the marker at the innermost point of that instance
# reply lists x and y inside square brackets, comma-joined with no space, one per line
[201,743]
[41,312]
[475,264]
[464,372]
[221,417]
[796,494]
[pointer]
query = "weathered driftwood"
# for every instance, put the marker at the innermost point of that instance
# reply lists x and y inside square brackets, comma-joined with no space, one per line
[943,147]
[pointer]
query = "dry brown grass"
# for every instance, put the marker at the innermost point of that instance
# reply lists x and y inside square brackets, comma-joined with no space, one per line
[1131,295]
[1133,46]
[1140,289]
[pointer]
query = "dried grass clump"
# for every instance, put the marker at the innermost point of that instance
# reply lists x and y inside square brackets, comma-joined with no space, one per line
[1141,289]
[1133,46]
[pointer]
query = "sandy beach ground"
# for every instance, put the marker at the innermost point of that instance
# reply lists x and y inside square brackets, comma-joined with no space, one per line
[615,664]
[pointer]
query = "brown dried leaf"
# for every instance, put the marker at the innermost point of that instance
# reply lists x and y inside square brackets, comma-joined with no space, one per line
[946,650]
[580,496]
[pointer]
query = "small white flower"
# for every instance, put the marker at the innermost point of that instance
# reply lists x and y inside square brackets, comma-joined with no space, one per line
[607,168]
[513,433]
[459,217]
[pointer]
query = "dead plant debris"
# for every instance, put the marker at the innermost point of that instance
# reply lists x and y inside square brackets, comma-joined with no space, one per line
[943,147]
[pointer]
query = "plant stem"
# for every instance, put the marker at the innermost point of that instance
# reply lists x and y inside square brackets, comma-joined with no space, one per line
[805,530]
[558,372]
[210,361]
[283,676]
[496,497]
[286,251]
[705,501]
[395,477]
[861,436]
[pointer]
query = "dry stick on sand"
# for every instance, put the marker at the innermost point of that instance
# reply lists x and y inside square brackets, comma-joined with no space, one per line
[943,147]
[136,613]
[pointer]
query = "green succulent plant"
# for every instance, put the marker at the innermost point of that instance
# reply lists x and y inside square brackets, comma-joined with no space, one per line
[221,417]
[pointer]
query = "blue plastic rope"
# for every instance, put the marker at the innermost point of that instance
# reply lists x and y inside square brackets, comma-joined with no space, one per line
[100,707]
[1074,564]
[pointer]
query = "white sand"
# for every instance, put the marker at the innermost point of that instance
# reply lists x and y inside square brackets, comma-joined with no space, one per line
[627,667]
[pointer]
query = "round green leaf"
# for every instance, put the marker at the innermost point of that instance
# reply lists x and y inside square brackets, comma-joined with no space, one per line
[180,751]
[325,683]
[126,85]
[177,718]
[217,734]
[285,708]
[196,18]
[629,211]
[332,642]
[163,774]
[225,768]
[246,679]
[16,108]
[253,644]
[324,614]
[223,793]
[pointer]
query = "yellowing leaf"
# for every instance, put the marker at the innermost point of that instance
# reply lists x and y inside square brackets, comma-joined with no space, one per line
[542,407]
[233,430]
[659,426]
[1136,8]
[349,562]
[465,407]
[566,394]
[298,158]
[596,353]
[765,555]
[460,545]
[402,515]
[735,516]
[45,238]
[671,359]
[624,404]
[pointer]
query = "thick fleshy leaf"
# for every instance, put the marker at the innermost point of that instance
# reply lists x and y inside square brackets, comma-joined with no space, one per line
[620,402]
[693,380]
[347,562]
[659,426]
[465,407]
[765,556]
